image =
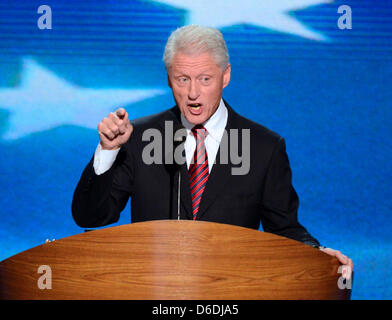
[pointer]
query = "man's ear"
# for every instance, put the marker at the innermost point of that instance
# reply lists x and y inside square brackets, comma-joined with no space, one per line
[169,82]
[226,76]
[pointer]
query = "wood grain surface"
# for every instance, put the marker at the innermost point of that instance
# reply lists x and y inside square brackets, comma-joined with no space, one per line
[169,259]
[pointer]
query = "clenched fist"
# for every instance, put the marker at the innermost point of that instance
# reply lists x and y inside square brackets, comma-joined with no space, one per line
[115,130]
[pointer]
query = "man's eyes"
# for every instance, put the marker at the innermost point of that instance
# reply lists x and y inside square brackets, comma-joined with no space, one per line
[204,80]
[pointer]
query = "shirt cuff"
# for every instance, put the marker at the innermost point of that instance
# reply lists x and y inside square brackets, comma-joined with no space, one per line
[104,159]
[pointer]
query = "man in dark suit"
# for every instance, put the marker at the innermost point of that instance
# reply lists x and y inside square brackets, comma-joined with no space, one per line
[216,184]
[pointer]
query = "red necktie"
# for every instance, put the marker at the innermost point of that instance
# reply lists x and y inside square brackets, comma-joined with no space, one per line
[198,170]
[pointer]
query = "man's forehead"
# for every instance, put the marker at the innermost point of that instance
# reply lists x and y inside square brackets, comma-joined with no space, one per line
[198,60]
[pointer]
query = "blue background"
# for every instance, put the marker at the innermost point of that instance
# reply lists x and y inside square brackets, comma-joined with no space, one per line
[331,100]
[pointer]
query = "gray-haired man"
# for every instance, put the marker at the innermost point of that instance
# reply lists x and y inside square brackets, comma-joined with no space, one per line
[198,68]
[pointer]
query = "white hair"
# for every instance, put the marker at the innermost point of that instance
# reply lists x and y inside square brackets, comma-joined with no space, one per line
[195,39]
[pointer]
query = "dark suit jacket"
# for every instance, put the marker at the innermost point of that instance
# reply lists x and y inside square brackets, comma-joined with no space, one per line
[263,195]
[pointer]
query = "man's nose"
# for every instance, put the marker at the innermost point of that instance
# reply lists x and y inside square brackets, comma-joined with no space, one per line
[194,91]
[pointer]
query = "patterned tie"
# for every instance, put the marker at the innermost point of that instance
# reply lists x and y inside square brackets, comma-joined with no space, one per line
[198,170]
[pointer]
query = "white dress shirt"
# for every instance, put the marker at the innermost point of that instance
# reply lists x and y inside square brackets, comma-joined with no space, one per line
[215,126]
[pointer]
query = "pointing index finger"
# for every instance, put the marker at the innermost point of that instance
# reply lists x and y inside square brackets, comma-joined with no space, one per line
[120,113]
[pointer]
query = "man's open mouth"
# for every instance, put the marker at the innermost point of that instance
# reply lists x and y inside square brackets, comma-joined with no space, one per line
[195,106]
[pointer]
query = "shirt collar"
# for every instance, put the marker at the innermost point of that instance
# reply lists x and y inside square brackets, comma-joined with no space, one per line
[215,125]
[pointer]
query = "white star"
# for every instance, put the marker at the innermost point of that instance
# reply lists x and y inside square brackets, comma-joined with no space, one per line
[44,101]
[272,14]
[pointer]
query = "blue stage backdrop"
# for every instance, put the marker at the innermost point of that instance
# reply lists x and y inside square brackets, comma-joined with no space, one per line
[326,90]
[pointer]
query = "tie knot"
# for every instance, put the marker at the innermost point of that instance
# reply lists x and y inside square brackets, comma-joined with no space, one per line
[199,132]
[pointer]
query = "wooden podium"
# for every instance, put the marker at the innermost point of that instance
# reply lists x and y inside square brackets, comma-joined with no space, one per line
[169,259]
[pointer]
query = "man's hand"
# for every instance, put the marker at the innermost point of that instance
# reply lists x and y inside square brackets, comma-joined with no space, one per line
[347,263]
[115,130]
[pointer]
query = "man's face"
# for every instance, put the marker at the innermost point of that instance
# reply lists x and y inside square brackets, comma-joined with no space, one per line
[197,83]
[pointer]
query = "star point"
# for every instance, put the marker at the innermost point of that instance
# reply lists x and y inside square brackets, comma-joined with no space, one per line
[43,101]
[271,14]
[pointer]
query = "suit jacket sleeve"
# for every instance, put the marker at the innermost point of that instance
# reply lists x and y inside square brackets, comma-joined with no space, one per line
[280,200]
[99,199]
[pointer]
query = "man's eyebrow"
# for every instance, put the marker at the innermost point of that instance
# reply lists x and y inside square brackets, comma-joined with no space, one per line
[202,73]
[178,75]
